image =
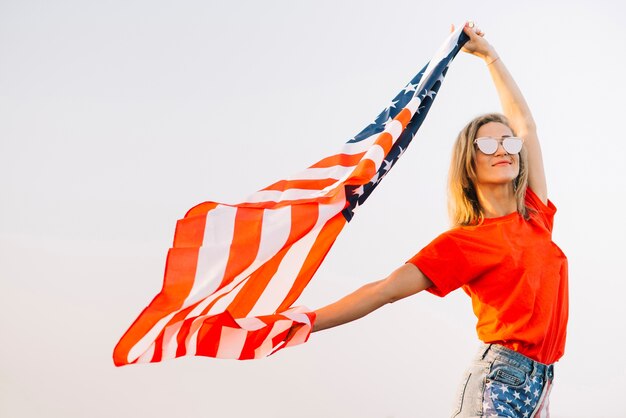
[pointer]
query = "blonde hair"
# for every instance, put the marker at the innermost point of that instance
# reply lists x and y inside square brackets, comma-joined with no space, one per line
[463,205]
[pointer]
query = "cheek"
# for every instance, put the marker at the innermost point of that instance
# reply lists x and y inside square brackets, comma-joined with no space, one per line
[481,165]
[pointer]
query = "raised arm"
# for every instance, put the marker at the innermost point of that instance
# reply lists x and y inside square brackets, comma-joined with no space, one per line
[514,107]
[404,281]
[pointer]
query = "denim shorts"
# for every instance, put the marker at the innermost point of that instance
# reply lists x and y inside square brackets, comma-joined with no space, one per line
[504,383]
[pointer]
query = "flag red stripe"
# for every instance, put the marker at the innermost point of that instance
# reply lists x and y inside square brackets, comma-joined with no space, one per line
[245,242]
[201,209]
[190,231]
[317,184]
[210,332]
[385,140]
[363,173]
[158,348]
[404,117]
[345,160]
[253,341]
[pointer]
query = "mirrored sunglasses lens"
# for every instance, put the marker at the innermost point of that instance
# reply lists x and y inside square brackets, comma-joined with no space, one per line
[487,145]
[512,145]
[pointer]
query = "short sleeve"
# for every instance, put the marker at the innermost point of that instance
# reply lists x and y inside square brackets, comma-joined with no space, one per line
[544,214]
[452,260]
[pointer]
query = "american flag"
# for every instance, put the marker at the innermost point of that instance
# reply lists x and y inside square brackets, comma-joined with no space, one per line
[234,271]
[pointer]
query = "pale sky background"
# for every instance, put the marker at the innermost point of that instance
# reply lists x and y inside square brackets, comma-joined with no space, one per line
[118,116]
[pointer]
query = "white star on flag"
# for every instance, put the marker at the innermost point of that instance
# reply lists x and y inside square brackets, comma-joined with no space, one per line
[391,105]
[410,87]
[358,191]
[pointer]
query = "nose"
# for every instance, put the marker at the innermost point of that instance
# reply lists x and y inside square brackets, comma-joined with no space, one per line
[500,150]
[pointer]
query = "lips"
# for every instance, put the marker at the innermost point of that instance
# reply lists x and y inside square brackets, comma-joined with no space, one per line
[502,163]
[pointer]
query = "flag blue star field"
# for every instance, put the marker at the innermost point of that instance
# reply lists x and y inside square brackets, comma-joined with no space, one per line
[235,270]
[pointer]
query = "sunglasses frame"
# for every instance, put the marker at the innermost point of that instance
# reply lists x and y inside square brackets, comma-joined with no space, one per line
[500,141]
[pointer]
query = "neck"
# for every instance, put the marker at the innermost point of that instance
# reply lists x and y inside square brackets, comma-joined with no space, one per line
[496,199]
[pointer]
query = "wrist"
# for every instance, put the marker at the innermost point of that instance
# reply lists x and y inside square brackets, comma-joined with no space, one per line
[490,56]
[489,61]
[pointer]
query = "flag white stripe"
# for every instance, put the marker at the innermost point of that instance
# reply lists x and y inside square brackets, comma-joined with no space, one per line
[286,274]
[334,172]
[376,154]
[146,356]
[213,255]
[170,344]
[395,129]
[413,105]
[352,148]
[250,323]
[275,231]
[231,342]
[277,195]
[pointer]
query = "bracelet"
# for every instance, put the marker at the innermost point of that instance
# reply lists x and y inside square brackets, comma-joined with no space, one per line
[494,60]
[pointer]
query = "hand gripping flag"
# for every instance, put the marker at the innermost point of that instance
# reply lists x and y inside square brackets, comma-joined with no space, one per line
[234,271]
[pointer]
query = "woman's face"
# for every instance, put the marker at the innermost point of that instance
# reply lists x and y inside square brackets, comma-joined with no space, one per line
[500,167]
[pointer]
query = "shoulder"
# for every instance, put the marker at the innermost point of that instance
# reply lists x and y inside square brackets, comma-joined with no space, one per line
[540,212]
[536,203]
[448,237]
[460,239]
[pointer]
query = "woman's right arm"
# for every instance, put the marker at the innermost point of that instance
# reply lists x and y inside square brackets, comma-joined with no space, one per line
[404,281]
[514,107]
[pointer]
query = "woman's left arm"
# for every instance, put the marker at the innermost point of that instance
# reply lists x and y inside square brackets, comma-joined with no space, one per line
[514,107]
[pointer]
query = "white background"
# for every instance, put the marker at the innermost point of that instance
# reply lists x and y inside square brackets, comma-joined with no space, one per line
[116,117]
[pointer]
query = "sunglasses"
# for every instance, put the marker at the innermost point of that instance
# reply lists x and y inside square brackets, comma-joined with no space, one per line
[511,144]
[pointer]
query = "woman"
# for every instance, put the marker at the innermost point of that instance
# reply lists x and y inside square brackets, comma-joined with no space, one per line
[500,252]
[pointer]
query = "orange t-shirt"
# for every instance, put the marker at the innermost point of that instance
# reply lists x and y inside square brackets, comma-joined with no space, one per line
[515,275]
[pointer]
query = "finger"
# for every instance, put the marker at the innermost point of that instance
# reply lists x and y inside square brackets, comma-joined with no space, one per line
[472,30]
[451,28]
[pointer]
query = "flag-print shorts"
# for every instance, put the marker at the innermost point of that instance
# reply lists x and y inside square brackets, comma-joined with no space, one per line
[504,383]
